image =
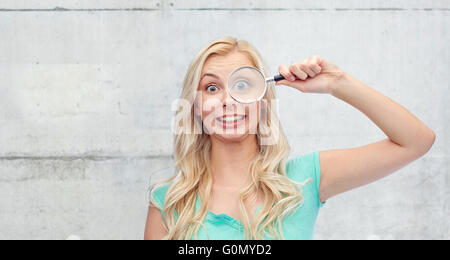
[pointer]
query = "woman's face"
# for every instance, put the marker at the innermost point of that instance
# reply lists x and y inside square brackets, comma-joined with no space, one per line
[222,116]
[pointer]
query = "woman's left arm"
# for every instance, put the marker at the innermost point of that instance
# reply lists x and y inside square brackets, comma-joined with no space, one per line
[345,169]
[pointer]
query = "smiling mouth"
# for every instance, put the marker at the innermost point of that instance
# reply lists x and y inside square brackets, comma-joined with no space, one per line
[231,118]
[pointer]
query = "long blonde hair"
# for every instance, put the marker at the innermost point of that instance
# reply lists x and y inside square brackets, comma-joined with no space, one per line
[282,196]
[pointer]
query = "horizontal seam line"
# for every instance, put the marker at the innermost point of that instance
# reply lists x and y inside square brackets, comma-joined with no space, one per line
[216,9]
[87,157]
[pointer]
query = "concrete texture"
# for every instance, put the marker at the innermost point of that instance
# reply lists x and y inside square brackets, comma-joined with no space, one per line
[87,88]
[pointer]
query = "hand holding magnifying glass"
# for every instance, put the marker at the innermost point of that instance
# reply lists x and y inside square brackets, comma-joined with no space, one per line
[313,75]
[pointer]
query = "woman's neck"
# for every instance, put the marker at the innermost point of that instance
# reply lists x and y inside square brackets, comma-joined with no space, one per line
[230,162]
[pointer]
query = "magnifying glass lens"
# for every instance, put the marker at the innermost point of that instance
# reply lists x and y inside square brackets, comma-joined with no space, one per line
[246,85]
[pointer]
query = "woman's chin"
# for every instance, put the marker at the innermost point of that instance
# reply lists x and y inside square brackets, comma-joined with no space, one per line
[231,134]
[231,137]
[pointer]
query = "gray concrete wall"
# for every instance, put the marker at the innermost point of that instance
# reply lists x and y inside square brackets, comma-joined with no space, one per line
[86,88]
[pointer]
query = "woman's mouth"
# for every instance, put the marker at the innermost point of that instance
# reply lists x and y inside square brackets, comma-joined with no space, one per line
[231,121]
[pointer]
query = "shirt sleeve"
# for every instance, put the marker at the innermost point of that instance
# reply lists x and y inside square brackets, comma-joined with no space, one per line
[158,195]
[304,168]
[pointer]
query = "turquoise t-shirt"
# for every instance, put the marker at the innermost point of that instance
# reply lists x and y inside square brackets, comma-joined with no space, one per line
[297,226]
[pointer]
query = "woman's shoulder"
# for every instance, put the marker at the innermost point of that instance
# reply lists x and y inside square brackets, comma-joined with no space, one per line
[158,193]
[306,169]
[305,166]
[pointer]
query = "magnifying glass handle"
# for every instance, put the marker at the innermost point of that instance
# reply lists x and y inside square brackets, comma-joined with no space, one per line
[278,77]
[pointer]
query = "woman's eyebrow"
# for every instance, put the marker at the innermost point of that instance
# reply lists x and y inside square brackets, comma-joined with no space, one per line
[211,75]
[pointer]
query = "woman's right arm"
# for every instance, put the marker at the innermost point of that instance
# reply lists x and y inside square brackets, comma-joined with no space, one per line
[154,228]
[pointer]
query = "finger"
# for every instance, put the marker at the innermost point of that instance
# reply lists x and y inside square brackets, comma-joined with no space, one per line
[316,68]
[315,63]
[298,84]
[286,73]
[284,82]
[298,72]
[306,68]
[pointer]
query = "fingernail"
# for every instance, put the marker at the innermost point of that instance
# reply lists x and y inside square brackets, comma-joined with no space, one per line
[291,78]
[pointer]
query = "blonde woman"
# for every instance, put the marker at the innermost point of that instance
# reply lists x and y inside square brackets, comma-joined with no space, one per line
[239,184]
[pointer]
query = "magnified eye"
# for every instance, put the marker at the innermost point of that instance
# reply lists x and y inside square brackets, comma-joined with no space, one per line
[241,85]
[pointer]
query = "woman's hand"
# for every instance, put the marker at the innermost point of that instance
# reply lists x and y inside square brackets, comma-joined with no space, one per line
[313,75]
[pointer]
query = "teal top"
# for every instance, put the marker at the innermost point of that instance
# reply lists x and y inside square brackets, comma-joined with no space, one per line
[297,226]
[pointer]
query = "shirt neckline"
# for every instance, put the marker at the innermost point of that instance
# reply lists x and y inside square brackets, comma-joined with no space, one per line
[222,217]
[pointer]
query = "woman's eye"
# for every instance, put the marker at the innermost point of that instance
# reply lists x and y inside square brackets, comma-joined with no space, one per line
[211,88]
[241,85]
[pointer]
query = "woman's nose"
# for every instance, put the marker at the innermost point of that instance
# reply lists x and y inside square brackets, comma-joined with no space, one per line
[227,99]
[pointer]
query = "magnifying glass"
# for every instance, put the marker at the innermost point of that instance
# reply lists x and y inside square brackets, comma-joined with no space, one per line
[248,84]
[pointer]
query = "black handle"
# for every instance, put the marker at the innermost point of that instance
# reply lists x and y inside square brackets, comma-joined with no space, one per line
[278,77]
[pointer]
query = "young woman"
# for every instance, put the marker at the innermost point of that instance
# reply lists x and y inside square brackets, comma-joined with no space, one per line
[239,184]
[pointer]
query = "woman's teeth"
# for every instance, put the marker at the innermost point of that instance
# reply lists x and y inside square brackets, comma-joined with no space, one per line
[230,118]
